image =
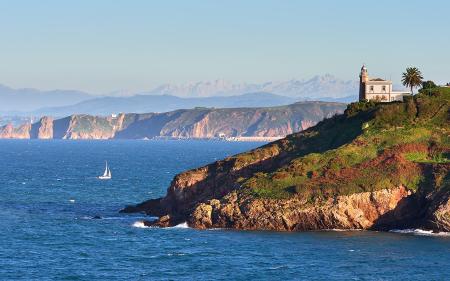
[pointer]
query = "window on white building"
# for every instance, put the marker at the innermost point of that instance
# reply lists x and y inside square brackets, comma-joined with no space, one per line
[371,88]
[384,88]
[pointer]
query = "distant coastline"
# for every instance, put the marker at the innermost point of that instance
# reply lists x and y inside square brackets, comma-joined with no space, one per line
[229,139]
[229,124]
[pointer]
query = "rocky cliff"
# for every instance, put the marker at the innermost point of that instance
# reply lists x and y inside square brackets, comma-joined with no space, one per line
[377,166]
[193,123]
[42,129]
[9,132]
[356,211]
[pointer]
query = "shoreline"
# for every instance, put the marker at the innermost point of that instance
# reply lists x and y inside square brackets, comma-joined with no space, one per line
[227,139]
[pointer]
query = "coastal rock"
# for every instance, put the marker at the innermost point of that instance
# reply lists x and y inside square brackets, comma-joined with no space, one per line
[164,221]
[9,132]
[89,127]
[438,215]
[356,211]
[215,180]
[43,129]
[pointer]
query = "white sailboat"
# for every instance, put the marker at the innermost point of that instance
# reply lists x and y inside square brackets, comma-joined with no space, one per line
[107,174]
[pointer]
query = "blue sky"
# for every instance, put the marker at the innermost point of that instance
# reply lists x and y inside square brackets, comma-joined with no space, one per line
[103,45]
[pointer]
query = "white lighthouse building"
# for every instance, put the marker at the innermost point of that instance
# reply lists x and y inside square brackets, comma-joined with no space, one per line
[377,89]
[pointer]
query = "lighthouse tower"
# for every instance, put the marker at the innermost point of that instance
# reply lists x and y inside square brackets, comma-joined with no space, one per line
[363,78]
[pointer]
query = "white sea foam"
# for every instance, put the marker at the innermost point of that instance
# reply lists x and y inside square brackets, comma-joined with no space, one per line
[420,232]
[181,225]
[72,200]
[341,230]
[176,254]
[139,224]
[126,217]
[278,267]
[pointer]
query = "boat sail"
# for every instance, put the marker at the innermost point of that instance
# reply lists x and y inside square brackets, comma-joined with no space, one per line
[107,174]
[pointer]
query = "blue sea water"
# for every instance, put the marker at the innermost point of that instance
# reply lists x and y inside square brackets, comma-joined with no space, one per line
[49,195]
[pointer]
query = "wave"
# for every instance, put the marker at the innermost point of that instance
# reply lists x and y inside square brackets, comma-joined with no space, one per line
[420,232]
[181,225]
[341,230]
[278,267]
[176,254]
[127,218]
[140,224]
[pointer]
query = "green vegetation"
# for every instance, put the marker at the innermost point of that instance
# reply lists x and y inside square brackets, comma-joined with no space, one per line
[435,91]
[88,124]
[428,85]
[372,146]
[412,78]
[423,157]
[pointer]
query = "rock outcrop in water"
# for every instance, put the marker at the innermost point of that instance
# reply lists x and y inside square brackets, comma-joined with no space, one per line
[193,123]
[377,166]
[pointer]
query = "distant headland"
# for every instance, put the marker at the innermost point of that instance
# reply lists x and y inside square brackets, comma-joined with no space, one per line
[233,124]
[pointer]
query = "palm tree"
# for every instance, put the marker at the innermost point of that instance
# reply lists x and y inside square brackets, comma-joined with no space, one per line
[412,78]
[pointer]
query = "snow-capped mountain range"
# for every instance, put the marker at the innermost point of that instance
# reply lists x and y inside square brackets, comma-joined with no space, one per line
[316,87]
[217,93]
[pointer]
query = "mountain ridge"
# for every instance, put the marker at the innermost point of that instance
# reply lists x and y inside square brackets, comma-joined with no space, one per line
[30,101]
[316,87]
[162,103]
[14,101]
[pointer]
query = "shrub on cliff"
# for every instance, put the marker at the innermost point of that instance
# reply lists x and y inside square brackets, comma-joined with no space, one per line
[428,85]
[338,157]
[360,106]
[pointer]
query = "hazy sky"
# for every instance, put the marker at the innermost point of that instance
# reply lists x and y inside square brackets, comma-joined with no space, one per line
[106,45]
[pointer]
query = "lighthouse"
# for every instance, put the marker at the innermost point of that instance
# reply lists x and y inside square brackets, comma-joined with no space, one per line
[363,78]
[377,89]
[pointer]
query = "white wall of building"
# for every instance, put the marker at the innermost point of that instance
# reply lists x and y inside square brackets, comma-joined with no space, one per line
[385,97]
[378,88]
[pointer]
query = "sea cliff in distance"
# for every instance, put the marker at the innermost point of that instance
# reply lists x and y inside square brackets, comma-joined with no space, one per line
[235,123]
[377,166]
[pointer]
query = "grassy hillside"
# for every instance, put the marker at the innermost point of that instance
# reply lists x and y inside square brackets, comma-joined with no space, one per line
[371,146]
[377,166]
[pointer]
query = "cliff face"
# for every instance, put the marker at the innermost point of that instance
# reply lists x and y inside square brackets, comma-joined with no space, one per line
[43,129]
[377,166]
[239,122]
[90,127]
[195,123]
[356,211]
[9,132]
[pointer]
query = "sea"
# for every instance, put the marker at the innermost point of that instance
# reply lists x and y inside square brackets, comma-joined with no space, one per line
[59,222]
